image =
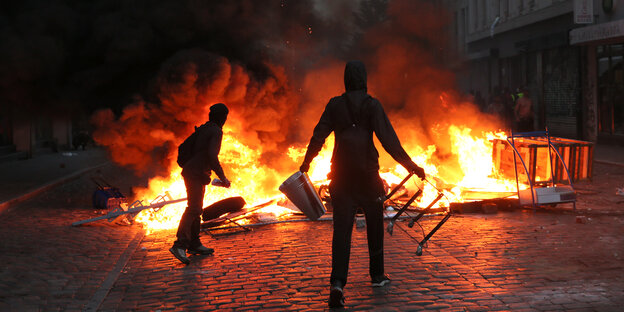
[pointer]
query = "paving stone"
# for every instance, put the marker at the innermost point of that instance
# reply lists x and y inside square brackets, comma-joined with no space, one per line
[507,261]
[437,306]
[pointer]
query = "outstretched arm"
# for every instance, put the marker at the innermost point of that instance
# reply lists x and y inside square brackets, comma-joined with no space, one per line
[214,146]
[321,132]
[390,141]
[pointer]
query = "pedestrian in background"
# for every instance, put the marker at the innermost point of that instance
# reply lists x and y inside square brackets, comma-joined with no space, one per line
[196,173]
[479,101]
[497,109]
[523,112]
[508,104]
[355,182]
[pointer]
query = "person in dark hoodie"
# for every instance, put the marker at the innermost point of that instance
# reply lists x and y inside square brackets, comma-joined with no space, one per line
[355,182]
[196,173]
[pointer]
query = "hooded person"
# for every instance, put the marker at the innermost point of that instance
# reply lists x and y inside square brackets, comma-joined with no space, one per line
[197,174]
[355,182]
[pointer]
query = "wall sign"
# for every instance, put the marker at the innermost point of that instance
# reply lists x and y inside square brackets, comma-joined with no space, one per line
[593,33]
[584,11]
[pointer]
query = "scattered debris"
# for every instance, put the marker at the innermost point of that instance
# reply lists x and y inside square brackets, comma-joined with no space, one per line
[107,196]
[489,208]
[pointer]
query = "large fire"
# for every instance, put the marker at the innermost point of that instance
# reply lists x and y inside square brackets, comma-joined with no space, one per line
[274,74]
[257,184]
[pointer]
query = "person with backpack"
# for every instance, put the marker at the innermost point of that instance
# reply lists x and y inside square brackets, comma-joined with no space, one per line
[198,155]
[355,182]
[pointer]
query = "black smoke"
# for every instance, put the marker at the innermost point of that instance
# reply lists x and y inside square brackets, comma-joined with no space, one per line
[102,54]
[146,70]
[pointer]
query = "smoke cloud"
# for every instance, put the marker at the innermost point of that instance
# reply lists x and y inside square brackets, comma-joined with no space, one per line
[147,70]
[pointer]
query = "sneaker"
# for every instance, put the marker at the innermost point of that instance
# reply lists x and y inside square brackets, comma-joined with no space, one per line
[180,254]
[201,250]
[336,298]
[380,280]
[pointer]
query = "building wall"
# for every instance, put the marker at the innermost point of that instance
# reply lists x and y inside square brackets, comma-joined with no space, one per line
[561,98]
[6,127]
[513,14]
[23,136]
[589,94]
[601,16]
[525,44]
[601,44]
[42,134]
[62,132]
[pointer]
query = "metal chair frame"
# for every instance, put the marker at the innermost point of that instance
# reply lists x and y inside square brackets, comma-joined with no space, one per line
[536,135]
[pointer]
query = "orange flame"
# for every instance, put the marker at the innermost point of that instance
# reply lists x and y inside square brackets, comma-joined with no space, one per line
[255,183]
[259,183]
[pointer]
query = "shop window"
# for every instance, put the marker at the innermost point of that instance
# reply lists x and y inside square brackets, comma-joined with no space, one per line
[611,89]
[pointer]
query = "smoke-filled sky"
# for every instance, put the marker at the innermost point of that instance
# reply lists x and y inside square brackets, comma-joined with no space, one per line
[103,53]
[147,70]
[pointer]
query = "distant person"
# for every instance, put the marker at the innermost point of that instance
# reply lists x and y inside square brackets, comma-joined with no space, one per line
[509,104]
[523,112]
[355,183]
[469,97]
[196,172]
[479,101]
[81,139]
[496,108]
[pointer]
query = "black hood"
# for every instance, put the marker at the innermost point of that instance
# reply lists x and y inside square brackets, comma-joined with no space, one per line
[218,114]
[355,76]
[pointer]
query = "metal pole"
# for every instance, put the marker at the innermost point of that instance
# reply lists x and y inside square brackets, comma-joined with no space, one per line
[112,215]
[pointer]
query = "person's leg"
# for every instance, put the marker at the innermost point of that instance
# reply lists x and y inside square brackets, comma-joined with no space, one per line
[373,211]
[195,227]
[374,232]
[188,230]
[343,217]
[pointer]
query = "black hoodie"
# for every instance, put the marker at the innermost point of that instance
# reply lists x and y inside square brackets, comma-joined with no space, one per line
[207,146]
[353,117]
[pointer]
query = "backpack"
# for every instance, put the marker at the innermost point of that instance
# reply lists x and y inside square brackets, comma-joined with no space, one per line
[185,150]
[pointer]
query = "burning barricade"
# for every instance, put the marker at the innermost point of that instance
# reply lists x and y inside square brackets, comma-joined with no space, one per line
[479,178]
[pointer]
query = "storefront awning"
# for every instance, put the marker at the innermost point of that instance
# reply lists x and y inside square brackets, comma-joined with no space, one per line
[598,34]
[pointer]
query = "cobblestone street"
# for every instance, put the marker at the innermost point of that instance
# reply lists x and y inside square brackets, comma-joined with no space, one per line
[510,261]
[518,260]
[484,139]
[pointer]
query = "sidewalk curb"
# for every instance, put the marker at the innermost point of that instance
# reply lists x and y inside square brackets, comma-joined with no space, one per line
[583,212]
[5,206]
[609,163]
[100,295]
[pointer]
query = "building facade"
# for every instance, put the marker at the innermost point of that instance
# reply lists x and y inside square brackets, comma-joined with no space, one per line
[566,53]
[603,89]
[24,133]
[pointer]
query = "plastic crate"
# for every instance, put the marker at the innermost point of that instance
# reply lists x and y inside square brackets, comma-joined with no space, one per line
[106,196]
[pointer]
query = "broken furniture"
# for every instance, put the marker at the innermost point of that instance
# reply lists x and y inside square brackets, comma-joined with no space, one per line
[533,154]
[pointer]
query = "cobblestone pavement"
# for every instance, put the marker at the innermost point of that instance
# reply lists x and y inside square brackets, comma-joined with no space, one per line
[508,261]
[28,177]
[600,196]
[520,261]
[47,264]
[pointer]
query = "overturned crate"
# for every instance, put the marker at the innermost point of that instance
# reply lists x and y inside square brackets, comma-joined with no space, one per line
[577,155]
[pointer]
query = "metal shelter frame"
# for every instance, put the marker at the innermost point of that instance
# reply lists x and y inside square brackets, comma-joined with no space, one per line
[538,136]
